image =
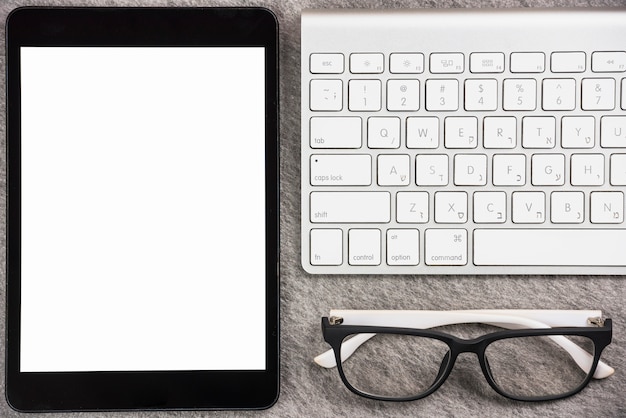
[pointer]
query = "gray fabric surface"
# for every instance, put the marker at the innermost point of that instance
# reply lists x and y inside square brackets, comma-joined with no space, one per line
[307,390]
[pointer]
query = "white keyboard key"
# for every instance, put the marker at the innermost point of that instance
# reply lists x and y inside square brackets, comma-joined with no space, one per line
[451,207]
[403,95]
[618,169]
[470,169]
[529,207]
[613,132]
[489,207]
[624,93]
[551,247]
[394,170]
[539,132]
[509,170]
[431,170]
[442,95]
[446,247]
[567,207]
[341,170]
[364,247]
[548,170]
[559,94]
[326,95]
[446,63]
[461,132]
[568,62]
[364,95]
[481,95]
[608,62]
[403,247]
[607,208]
[326,247]
[422,132]
[366,63]
[383,132]
[528,62]
[326,63]
[406,63]
[350,207]
[578,132]
[412,207]
[587,169]
[487,62]
[336,132]
[500,132]
[520,94]
[598,94]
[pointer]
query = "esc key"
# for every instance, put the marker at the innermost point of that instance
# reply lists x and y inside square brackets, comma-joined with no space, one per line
[326,63]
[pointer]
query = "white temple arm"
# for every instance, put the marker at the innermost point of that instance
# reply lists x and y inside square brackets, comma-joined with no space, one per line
[511,319]
[431,319]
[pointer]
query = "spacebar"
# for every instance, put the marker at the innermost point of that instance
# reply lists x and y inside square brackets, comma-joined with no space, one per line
[549,247]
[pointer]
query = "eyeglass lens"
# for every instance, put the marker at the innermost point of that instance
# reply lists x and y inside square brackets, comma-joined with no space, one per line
[396,366]
[538,366]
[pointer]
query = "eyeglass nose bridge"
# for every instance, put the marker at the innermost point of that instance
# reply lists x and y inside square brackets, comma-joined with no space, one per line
[457,347]
[460,346]
[475,345]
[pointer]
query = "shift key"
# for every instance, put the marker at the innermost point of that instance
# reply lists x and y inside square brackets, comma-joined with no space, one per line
[350,207]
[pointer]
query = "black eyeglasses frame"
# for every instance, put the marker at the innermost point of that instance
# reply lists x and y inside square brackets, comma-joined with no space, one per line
[335,334]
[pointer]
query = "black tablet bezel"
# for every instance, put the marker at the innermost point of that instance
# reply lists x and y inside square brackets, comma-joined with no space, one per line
[154,390]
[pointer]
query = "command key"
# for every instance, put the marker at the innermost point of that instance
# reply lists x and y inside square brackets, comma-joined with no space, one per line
[446,247]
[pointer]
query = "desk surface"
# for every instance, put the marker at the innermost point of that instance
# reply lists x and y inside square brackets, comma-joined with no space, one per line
[306,389]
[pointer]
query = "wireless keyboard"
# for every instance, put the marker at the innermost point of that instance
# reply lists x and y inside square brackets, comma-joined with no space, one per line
[464,142]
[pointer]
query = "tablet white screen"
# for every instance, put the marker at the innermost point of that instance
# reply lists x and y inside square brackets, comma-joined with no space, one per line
[143,209]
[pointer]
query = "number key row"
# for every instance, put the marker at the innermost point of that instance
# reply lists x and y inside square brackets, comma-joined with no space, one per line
[480,94]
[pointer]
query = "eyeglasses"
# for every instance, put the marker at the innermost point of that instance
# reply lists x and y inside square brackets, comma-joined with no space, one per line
[544,355]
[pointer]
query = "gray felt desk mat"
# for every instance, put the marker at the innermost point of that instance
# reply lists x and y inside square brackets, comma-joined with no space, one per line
[309,391]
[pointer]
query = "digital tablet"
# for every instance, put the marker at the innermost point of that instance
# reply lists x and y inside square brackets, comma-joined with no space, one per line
[142,256]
